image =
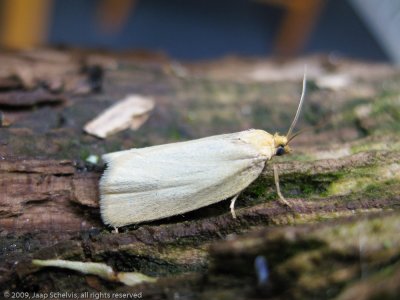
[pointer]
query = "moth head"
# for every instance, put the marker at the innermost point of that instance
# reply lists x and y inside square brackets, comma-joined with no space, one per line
[281,145]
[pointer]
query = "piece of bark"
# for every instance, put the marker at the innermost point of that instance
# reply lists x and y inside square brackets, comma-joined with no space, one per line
[9,84]
[29,98]
[29,187]
[57,70]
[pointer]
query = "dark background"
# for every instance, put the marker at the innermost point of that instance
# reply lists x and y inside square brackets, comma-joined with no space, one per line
[193,29]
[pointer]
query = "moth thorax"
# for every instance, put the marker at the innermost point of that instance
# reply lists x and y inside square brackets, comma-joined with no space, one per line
[261,140]
[280,140]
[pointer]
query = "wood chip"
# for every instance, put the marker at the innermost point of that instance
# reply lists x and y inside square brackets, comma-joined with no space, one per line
[334,82]
[131,112]
[97,269]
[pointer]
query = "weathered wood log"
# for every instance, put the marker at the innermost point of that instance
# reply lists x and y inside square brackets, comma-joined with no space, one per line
[70,195]
[349,167]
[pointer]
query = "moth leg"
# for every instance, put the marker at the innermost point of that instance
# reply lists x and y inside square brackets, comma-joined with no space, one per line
[232,206]
[116,230]
[278,189]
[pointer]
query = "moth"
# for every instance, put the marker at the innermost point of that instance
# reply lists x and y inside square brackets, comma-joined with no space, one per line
[156,182]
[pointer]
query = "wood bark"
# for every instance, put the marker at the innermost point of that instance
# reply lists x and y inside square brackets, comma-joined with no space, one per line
[343,182]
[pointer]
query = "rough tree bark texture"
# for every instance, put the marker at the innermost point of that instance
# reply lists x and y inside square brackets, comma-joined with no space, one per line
[339,240]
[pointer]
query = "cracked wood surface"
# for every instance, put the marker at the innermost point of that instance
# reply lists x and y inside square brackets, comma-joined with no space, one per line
[70,195]
[348,168]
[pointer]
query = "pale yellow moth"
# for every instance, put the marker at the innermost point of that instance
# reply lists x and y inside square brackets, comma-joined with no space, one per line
[156,182]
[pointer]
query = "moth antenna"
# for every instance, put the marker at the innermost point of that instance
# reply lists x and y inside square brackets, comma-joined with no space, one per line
[316,127]
[296,117]
[299,132]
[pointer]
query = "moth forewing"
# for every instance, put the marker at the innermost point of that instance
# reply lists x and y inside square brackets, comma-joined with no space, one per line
[156,182]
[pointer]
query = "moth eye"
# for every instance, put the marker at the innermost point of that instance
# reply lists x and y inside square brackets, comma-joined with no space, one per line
[280,151]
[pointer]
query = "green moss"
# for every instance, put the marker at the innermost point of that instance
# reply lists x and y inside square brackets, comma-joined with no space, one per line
[168,260]
[386,142]
[370,180]
[301,157]
[174,134]
[337,261]
[293,186]
[321,217]
[302,185]
[258,188]
[84,154]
